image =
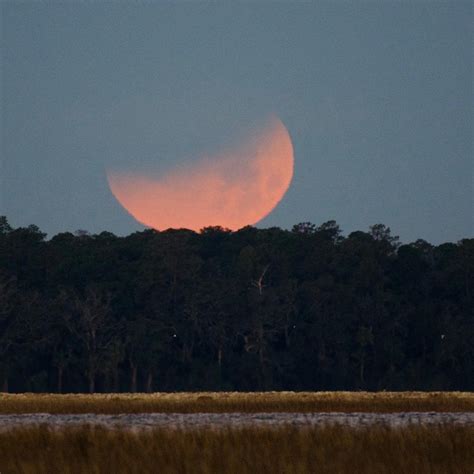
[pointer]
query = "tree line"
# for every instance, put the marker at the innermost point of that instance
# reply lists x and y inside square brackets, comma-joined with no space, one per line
[255,309]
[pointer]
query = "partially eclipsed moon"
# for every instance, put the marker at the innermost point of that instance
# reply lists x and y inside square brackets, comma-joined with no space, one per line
[233,189]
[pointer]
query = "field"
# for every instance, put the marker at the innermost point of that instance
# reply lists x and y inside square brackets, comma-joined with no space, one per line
[326,449]
[231,402]
[322,448]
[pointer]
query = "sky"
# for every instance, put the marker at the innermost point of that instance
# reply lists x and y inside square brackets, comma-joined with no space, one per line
[376,96]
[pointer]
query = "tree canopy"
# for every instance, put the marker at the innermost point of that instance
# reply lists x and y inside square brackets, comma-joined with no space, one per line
[255,309]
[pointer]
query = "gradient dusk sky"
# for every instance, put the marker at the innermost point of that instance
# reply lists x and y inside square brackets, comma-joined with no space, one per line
[377,98]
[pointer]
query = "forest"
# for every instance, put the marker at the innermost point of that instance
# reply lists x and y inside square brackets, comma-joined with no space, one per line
[255,309]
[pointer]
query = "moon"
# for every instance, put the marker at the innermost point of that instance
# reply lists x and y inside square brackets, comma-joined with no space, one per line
[232,189]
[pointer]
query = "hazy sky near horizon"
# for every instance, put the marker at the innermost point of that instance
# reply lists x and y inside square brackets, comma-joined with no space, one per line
[377,98]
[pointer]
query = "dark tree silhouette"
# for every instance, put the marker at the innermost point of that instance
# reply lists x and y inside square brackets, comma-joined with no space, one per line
[306,309]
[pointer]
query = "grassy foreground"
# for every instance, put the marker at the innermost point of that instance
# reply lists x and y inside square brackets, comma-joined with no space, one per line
[326,449]
[221,402]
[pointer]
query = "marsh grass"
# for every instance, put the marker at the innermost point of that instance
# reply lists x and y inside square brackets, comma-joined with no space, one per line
[325,449]
[250,402]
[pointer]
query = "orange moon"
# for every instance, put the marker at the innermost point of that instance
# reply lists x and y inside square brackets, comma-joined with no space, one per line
[232,189]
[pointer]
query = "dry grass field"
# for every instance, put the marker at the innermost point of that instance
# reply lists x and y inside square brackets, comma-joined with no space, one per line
[287,450]
[254,402]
